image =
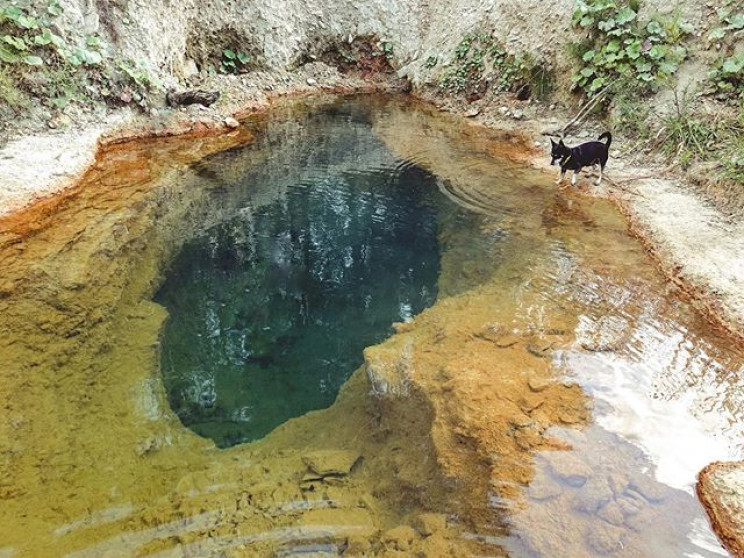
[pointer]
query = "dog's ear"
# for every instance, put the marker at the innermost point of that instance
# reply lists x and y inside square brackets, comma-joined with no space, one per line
[561,143]
[551,141]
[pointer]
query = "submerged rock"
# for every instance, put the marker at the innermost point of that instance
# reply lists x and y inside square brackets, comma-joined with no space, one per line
[568,468]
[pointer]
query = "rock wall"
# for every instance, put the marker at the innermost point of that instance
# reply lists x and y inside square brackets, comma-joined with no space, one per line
[171,35]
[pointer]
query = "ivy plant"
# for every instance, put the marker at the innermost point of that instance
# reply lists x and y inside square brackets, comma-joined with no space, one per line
[617,46]
[234,61]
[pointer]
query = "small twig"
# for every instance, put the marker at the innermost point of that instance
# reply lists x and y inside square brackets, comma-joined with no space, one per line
[585,110]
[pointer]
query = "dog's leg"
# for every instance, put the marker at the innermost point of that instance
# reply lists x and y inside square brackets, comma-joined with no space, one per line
[573,178]
[561,174]
[599,180]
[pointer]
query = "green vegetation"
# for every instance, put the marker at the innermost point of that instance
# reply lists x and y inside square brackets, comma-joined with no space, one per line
[727,74]
[26,38]
[36,62]
[480,60]
[234,61]
[621,50]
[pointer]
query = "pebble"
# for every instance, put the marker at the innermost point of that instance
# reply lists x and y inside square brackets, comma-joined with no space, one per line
[312,82]
[230,122]
[537,384]
[518,115]
[472,113]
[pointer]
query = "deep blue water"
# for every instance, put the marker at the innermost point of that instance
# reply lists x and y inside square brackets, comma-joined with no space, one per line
[271,308]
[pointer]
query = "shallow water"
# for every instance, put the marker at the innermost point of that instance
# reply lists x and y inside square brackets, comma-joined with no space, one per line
[555,399]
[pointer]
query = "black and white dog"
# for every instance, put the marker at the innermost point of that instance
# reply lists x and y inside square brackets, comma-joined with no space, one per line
[584,155]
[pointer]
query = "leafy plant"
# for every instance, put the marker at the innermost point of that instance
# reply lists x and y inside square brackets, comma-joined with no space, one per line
[139,74]
[617,46]
[481,60]
[234,61]
[727,73]
[26,37]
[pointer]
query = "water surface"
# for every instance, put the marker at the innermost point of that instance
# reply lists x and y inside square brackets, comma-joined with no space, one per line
[544,391]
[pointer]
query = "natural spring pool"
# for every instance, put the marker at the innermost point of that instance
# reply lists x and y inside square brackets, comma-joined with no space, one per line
[353,326]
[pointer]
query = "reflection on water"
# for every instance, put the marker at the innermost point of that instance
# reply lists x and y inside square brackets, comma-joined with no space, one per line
[552,398]
[271,309]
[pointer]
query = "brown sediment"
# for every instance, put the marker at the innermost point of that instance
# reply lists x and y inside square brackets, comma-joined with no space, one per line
[95,462]
[719,488]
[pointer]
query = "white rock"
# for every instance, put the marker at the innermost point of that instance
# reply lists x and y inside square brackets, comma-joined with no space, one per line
[312,82]
[230,122]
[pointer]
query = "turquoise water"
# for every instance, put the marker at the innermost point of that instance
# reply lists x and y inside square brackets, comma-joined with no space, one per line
[271,308]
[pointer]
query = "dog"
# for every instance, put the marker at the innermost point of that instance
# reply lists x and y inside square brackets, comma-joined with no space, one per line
[584,155]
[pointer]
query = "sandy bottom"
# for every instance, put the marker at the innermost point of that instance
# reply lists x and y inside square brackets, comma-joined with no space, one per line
[556,401]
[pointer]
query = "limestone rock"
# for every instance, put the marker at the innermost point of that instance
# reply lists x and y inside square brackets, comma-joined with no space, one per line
[720,488]
[331,462]
[230,122]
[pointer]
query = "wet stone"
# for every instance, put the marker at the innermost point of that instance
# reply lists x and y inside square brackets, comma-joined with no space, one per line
[538,385]
[568,468]
[507,341]
[540,349]
[593,495]
[648,488]
[629,505]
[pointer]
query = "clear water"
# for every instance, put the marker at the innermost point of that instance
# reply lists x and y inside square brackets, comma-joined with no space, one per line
[270,310]
[317,210]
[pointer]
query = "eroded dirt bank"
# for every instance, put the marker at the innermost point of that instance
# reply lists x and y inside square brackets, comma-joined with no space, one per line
[472,378]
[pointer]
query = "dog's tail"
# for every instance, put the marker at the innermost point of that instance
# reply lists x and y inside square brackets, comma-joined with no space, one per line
[607,135]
